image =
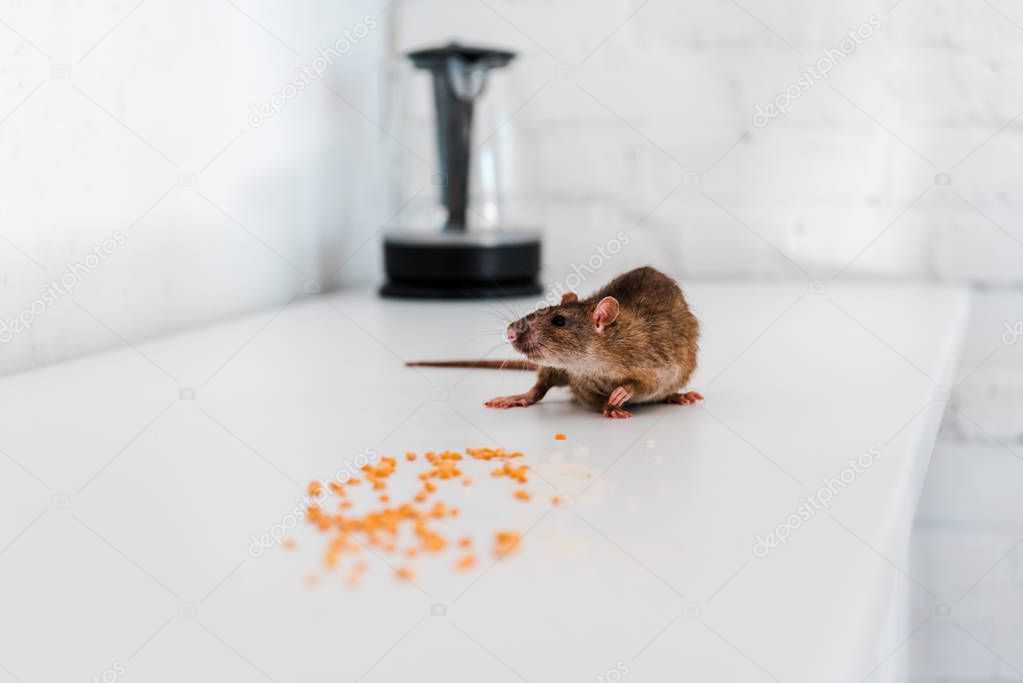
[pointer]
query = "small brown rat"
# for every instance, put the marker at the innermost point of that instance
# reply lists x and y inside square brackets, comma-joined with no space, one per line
[633,341]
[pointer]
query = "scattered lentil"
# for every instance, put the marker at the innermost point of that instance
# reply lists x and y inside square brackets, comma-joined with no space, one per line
[381,528]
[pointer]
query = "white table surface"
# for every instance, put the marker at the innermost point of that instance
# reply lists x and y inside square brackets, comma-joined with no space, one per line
[122,504]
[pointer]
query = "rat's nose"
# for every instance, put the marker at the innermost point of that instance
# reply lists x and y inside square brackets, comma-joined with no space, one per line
[511,334]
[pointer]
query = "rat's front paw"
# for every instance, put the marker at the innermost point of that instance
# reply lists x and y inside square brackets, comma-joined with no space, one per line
[520,401]
[619,397]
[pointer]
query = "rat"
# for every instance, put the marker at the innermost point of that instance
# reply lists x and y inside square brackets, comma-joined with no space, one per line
[633,341]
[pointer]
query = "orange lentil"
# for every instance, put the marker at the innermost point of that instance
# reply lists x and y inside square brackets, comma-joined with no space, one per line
[464,542]
[491,453]
[432,542]
[288,543]
[410,456]
[406,574]
[522,494]
[560,437]
[516,473]
[505,542]
[314,488]
[467,561]
[384,498]
[466,481]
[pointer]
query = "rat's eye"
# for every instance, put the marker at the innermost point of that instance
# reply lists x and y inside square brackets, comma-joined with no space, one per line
[558,321]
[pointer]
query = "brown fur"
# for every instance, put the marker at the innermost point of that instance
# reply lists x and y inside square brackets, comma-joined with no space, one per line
[646,354]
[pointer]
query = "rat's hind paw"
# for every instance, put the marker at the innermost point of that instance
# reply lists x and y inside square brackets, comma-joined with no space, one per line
[519,401]
[686,399]
[616,413]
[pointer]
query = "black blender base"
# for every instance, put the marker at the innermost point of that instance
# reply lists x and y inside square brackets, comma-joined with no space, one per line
[461,265]
[429,290]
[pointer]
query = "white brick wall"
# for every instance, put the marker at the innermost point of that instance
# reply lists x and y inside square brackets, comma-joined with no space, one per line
[167,92]
[989,398]
[965,552]
[678,82]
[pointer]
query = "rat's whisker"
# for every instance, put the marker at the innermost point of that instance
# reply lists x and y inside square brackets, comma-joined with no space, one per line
[495,314]
[507,309]
[500,315]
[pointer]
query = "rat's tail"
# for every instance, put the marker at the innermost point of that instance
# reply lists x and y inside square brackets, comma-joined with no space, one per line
[492,364]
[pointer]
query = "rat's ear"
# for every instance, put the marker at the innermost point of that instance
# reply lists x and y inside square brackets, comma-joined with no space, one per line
[605,313]
[569,297]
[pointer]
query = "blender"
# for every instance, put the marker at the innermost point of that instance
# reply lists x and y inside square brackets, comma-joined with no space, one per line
[453,260]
